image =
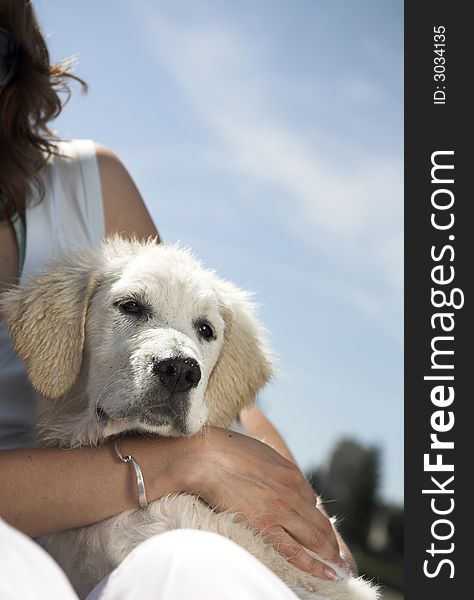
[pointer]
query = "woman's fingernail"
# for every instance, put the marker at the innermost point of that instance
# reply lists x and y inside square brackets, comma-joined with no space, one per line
[330,573]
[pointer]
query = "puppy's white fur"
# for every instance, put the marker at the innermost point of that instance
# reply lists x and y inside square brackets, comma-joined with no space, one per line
[94,366]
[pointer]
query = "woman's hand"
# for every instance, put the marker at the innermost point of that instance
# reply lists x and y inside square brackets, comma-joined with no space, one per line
[234,472]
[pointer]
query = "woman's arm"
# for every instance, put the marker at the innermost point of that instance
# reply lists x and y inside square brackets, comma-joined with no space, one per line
[124,209]
[258,426]
[50,489]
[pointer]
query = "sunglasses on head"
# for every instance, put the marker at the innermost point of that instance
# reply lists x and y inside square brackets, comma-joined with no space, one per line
[9,52]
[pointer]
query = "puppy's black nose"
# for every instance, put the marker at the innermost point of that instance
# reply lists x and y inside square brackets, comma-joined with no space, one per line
[178,374]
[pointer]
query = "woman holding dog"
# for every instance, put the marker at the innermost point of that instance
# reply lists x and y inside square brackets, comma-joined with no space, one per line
[54,195]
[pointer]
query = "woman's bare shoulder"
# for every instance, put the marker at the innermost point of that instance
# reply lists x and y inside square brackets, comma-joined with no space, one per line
[124,209]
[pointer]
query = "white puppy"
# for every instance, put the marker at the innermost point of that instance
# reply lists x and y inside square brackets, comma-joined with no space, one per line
[140,337]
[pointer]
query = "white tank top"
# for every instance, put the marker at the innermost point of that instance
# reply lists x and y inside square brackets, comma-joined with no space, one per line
[70,215]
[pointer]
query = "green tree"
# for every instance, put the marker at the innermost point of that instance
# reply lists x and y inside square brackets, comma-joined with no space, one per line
[349,485]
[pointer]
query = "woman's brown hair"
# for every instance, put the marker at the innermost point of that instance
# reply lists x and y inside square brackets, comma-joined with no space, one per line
[27,104]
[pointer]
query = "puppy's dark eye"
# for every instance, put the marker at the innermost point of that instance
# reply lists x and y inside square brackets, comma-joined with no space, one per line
[205,331]
[132,307]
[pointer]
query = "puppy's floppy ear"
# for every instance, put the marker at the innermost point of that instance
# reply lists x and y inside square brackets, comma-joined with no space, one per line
[46,319]
[244,364]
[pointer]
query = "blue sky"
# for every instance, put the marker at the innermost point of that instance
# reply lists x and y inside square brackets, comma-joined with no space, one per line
[267,135]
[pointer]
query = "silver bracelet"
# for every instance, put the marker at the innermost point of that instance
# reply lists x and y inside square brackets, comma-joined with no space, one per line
[138,474]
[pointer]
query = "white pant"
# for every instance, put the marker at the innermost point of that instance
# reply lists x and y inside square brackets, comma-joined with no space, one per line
[175,565]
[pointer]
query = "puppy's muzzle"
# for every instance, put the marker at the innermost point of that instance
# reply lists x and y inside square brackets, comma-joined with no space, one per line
[177,374]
